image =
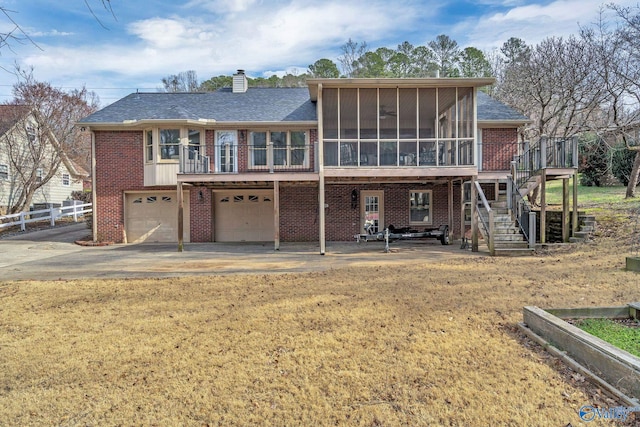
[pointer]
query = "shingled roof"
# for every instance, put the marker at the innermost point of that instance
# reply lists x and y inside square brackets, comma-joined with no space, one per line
[255,105]
[492,110]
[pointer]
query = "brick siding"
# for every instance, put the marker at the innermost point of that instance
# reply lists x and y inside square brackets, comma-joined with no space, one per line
[119,167]
[499,145]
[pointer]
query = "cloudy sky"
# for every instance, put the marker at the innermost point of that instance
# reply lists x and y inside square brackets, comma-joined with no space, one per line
[145,40]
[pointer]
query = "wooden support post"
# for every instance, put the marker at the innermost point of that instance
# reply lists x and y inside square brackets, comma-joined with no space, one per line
[565,210]
[462,207]
[474,216]
[450,208]
[574,213]
[543,207]
[320,155]
[180,218]
[276,215]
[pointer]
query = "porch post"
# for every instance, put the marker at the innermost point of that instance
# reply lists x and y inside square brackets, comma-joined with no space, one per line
[543,207]
[180,217]
[450,207]
[574,214]
[474,216]
[321,200]
[276,215]
[565,210]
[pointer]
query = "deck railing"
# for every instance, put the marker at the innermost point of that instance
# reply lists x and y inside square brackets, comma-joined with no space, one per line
[191,161]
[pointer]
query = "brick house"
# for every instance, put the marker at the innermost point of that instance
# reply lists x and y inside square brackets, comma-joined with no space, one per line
[298,164]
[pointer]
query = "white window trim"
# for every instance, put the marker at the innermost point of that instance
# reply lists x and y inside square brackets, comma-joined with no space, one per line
[68,180]
[183,142]
[289,148]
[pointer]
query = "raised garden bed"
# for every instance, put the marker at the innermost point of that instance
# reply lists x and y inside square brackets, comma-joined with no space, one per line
[614,369]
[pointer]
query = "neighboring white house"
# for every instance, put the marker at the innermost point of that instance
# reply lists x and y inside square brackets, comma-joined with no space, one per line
[24,162]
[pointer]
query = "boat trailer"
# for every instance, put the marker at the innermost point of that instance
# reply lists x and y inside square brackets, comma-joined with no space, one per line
[392,233]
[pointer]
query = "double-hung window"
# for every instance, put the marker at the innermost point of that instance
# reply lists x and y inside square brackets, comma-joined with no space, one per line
[4,172]
[66,180]
[169,143]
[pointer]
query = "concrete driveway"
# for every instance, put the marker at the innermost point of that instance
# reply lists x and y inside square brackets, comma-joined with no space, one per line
[52,255]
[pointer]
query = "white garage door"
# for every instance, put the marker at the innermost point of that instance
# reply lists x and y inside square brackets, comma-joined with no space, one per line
[153,217]
[244,216]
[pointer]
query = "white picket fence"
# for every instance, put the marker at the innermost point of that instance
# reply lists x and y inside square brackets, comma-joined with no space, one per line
[52,214]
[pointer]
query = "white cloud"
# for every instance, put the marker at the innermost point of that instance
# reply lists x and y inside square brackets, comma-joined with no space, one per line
[531,22]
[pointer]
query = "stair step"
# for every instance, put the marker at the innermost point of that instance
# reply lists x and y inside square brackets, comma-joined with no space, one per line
[586,228]
[582,234]
[511,245]
[508,238]
[513,252]
[576,240]
[502,204]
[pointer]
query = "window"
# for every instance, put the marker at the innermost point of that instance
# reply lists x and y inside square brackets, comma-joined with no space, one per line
[194,143]
[404,127]
[258,148]
[164,145]
[39,175]
[4,172]
[66,180]
[281,149]
[31,134]
[169,140]
[226,151]
[420,207]
[149,147]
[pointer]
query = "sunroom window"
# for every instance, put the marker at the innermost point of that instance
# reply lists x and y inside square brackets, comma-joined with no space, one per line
[398,127]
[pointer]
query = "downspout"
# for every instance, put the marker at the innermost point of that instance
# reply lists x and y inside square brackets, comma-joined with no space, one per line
[94,198]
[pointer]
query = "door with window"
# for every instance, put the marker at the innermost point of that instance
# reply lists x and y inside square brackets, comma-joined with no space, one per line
[372,211]
[226,156]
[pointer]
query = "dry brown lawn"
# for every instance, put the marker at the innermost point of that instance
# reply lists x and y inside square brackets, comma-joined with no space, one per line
[414,345]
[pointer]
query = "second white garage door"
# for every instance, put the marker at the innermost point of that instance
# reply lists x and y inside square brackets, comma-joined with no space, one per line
[244,216]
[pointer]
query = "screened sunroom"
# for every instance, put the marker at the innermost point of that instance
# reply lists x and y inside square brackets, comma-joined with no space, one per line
[398,126]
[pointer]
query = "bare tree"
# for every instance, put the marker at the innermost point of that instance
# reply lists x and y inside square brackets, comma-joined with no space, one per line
[13,33]
[619,65]
[554,84]
[351,52]
[185,81]
[39,132]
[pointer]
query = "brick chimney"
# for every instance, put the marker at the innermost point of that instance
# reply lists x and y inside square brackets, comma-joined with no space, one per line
[240,83]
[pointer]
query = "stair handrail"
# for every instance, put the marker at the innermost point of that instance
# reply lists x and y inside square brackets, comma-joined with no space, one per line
[520,209]
[489,227]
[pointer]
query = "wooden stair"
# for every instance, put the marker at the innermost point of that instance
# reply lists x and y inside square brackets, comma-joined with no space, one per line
[508,238]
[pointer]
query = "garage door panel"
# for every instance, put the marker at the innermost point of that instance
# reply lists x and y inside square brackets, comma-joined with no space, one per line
[244,216]
[153,217]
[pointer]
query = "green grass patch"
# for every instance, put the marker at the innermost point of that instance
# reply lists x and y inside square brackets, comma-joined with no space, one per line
[624,337]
